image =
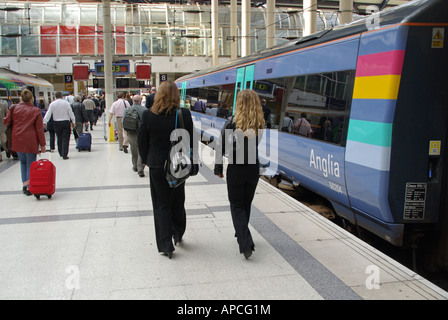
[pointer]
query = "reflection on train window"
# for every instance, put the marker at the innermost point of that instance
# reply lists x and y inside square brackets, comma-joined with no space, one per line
[218,100]
[325,98]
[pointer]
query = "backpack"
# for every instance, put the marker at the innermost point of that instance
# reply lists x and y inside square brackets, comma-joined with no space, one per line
[131,121]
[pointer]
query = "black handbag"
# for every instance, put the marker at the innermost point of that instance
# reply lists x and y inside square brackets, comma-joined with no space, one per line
[179,165]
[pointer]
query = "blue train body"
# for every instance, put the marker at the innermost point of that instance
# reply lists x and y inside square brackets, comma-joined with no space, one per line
[378,173]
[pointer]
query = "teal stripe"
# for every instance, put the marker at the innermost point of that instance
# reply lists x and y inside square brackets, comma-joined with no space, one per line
[375,133]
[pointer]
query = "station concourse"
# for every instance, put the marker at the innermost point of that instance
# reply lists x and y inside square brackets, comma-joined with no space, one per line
[95,240]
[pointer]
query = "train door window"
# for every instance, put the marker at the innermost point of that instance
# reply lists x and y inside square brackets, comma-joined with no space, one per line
[244,80]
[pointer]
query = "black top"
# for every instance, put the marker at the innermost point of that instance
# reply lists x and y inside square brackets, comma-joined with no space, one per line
[240,149]
[154,136]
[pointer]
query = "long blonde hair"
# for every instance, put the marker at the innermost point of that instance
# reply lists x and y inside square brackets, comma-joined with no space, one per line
[248,113]
[167,98]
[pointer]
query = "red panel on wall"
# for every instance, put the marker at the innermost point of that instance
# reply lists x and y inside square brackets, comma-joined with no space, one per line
[143,72]
[100,40]
[48,39]
[120,40]
[86,40]
[67,40]
[80,72]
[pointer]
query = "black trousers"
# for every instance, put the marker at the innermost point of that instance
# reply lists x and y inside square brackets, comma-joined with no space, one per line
[62,130]
[169,210]
[242,182]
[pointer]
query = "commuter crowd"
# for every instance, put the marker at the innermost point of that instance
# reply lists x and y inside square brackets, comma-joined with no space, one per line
[146,126]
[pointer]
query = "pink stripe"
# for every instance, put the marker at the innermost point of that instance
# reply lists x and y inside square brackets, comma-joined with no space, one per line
[378,64]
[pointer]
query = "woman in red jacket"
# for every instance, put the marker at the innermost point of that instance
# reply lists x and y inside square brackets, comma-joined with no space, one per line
[27,134]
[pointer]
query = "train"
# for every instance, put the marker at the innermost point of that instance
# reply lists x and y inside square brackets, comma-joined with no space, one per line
[375,94]
[12,83]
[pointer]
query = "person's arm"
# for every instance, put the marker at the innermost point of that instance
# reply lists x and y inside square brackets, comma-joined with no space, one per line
[143,137]
[39,128]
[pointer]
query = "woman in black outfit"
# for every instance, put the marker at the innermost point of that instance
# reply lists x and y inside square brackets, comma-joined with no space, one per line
[154,145]
[240,137]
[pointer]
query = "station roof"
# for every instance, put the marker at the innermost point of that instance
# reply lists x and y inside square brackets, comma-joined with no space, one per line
[324,4]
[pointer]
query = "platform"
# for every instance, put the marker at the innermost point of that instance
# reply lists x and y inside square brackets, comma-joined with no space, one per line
[95,240]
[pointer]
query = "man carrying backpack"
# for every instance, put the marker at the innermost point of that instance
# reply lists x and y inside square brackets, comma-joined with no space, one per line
[131,122]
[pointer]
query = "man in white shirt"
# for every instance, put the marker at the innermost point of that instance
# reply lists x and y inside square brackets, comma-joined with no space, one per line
[63,118]
[117,109]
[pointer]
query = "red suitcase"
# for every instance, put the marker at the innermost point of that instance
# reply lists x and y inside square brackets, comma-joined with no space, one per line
[42,178]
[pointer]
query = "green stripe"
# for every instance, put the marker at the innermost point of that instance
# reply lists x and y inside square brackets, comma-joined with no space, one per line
[375,133]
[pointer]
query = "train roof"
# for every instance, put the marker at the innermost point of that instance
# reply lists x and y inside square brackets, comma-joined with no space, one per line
[26,78]
[417,11]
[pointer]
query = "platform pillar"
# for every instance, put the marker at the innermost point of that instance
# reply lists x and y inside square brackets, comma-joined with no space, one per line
[310,17]
[346,9]
[108,75]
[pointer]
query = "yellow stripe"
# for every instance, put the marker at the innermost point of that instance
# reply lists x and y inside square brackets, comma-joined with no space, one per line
[376,87]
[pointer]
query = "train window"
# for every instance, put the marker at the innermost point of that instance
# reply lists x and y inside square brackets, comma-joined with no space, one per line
[325,99]
[3,94]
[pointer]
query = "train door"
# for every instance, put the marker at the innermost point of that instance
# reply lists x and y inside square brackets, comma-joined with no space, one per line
[244,80]
[33,91]
[183,94]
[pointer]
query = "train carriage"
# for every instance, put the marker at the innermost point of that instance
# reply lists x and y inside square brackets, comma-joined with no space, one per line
[381,91]
[12,84]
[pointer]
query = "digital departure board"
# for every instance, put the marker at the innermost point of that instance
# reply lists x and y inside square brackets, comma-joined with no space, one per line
[118,68]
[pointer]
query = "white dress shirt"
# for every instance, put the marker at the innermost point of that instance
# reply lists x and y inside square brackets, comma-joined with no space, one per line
[60,110]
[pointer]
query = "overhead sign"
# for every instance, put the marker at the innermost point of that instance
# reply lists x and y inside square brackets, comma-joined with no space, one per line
[119,68]
[80,72]
[143,71]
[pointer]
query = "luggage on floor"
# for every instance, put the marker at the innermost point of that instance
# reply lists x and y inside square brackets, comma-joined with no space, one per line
[42,178]
[84,142]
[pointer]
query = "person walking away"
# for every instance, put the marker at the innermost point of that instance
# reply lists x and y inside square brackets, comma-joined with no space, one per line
[63,118]
[90,107]
[79,110]
[117,109]
[134,114]
[27,134]
[96,110]
[153,145]
[3,137]
[245,130]
[150,98]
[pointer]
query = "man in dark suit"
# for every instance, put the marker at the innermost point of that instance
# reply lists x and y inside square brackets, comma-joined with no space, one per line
[150,99]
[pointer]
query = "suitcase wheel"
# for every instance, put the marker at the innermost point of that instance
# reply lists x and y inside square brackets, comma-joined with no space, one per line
[49,196]
[37,196]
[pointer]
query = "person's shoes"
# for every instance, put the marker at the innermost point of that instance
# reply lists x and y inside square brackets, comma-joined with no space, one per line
[28,193]
[65,158]
[121,149]
[248,252]
[8,155]
[24,189]
[134,169]
[141,174]
[125,149]
[169,254]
